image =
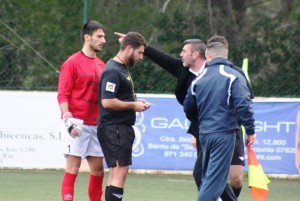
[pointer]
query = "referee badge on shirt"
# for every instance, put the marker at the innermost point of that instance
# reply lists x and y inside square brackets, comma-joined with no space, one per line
[110,86]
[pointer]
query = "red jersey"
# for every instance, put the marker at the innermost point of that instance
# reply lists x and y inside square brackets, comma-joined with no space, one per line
[78,86]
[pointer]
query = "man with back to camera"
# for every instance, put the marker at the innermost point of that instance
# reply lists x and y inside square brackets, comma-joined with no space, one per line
[185,69]
[78,102]
[218,96]
[118,107]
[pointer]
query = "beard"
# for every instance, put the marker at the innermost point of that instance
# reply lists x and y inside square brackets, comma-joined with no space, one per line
[95,48]
[188,62]
[131,60]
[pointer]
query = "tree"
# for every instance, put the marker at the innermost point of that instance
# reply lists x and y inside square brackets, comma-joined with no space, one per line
[37,36]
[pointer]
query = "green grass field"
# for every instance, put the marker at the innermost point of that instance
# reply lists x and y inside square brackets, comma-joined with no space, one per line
[37,185]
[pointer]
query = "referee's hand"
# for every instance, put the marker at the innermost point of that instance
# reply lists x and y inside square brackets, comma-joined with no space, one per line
[141,105]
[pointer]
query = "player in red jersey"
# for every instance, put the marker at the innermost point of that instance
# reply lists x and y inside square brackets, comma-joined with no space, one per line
[78,102]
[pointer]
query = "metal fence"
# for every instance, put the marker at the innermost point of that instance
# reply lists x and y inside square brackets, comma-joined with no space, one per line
[30,56]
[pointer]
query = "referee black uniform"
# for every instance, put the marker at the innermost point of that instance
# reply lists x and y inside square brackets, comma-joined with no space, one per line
[115,132]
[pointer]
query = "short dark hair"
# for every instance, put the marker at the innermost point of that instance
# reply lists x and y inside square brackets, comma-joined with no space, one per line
[214,40]
[218,46]
[197,45]
[134,39]
[90,27]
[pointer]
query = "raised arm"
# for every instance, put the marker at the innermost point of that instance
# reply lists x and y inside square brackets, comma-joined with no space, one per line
[171,64]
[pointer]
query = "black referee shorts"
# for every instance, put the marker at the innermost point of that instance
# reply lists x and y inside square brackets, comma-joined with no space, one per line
[238,157]
[116,141]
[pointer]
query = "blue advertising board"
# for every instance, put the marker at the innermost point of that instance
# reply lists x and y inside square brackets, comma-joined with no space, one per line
[163,144]
[276,128]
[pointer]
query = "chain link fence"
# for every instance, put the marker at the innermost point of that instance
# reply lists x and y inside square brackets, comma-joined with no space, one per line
[33,47]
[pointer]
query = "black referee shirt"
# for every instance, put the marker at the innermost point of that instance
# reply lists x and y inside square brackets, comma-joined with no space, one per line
[116,82]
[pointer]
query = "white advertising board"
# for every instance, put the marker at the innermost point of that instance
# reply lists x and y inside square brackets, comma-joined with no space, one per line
[30,127]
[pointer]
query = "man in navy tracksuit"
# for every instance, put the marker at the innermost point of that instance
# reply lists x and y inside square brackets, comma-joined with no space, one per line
[219,95]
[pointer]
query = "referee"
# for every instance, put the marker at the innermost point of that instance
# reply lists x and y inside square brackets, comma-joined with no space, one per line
[118,113]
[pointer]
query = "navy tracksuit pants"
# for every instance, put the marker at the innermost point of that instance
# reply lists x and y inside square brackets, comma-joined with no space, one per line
[217,150]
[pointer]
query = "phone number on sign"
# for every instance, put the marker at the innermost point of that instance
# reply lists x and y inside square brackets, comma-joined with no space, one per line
[180,154]
[274,142]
